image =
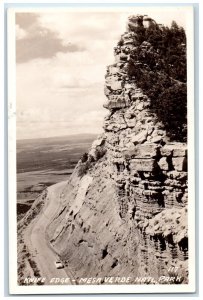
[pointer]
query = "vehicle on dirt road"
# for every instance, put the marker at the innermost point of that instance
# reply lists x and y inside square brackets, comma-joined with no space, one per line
[59,264]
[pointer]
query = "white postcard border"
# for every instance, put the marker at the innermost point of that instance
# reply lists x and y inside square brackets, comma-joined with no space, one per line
[82,289]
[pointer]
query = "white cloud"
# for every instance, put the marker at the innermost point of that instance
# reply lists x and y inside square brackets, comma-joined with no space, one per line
[20,33]
[84,27]
[63,94]
[59,97]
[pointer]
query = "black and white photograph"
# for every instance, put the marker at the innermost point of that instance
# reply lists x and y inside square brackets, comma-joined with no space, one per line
[101,157]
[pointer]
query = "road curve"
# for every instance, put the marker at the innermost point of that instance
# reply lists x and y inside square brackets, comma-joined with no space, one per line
[35,237]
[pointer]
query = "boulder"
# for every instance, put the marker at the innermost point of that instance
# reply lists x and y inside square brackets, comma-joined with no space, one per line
[131,122]
[116,123]
[179,163]
[119,102]
[167,150]
[142,151]
[140,106]
[113,83]
[174,149]
[134,22]
[163,164]
[143,165]
[180,150]
[140,137]
[136,94]
[156,139]
[113,70]
[107,91]
[128,38]
[123,57]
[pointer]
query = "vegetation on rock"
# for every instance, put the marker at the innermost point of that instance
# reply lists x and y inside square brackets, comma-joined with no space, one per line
[158,66]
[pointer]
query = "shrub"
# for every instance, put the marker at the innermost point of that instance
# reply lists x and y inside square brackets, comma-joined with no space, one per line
[83,167]
[158,66]
[84,157]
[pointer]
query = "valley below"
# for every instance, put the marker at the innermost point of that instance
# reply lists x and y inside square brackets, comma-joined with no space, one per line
[44,162]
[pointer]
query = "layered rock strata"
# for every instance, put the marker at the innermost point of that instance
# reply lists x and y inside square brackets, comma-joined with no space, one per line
[124,210]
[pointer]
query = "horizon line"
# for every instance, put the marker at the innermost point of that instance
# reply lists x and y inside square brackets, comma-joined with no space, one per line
[56,136]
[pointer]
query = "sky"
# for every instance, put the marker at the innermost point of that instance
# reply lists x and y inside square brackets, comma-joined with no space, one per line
[61,60]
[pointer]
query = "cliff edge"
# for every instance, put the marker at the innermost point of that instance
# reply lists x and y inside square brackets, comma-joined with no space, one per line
[124,210]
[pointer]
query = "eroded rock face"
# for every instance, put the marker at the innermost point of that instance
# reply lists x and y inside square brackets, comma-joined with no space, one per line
[137,187]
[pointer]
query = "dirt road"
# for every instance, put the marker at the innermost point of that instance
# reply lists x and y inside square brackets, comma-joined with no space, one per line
[35,238]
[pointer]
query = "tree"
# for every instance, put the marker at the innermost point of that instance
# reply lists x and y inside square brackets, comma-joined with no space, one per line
[159,68]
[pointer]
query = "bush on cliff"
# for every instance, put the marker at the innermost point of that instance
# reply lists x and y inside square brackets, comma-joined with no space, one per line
[85,163]
[158,66]
[84,167]
[171,106]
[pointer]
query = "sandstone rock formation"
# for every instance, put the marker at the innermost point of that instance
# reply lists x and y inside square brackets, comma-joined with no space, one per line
[125,213]
[124,209]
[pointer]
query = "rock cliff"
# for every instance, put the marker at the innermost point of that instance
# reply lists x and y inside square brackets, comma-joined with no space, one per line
[124,210]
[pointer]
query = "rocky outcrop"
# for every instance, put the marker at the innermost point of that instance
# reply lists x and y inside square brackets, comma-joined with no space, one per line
[124,210]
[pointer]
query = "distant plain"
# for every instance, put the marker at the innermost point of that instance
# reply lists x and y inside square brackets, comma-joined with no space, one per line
[43,162]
